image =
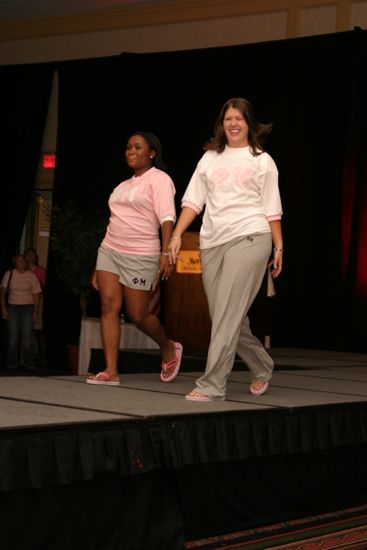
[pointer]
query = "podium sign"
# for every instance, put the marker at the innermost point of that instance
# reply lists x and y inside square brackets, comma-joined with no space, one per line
[189,262]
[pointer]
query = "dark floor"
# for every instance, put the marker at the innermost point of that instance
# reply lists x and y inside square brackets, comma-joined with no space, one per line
[302,378]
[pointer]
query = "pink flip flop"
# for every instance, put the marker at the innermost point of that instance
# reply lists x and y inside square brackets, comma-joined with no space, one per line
[196,395]
[176,363]
[259,391]
[103,378]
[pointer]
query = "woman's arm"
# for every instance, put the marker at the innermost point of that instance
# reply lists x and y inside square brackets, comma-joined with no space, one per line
[36,302]
[276,233]
[4,309]
[165,269]
[186,218]
[166,230]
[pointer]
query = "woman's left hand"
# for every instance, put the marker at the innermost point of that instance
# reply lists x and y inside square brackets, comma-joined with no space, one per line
[276,263]
[165,266]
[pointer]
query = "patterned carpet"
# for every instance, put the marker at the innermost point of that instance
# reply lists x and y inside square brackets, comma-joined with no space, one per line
[343,529]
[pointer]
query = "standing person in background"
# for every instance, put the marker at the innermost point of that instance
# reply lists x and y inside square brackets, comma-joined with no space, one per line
[237,182]
[131,258]
[31,257]
[20,309]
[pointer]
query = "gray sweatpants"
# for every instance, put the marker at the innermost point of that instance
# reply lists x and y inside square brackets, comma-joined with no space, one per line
[232,276]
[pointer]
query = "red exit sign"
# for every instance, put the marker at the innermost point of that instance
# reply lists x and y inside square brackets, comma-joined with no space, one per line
[49,162]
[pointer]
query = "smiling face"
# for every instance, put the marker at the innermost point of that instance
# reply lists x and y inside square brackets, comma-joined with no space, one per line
[138,154]
[235,128]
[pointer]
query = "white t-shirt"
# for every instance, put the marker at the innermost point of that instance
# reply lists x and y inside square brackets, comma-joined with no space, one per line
[239,191]
[22,286]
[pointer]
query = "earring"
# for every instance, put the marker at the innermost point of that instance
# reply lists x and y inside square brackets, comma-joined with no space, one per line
[151,157]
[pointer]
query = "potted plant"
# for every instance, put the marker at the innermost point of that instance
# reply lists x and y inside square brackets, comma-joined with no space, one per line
[74,239]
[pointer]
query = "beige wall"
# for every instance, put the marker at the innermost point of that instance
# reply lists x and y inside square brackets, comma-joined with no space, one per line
[181,24]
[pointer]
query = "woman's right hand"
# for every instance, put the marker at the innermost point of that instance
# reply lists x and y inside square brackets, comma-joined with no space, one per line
[187,216]
[174,248]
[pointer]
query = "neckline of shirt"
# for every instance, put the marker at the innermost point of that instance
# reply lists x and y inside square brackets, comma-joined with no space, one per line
[234,150]
[134,177]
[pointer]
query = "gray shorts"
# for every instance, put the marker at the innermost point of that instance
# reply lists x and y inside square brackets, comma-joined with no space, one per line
[133,270]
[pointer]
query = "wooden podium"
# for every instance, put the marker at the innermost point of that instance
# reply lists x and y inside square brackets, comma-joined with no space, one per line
[185,307]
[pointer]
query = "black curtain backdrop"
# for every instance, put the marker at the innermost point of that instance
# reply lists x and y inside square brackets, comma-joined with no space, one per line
[354,208]
[313,90]
[25,94]
[89,142]
[310,88]
[90,154]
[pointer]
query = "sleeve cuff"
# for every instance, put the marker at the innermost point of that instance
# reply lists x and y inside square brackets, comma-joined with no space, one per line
[194,207]
[168,219]
[274,218]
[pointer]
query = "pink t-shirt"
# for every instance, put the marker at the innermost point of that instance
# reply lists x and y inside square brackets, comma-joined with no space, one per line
[138,208]
[41,274]
[22,287]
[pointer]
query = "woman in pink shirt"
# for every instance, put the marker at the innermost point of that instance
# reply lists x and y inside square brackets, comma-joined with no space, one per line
[31,258]
[20,293]
[131,258]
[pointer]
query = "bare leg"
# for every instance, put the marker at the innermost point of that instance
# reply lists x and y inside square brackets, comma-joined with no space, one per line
[111,293]
[137,308]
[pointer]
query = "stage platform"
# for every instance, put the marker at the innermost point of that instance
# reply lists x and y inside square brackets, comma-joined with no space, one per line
[138,467]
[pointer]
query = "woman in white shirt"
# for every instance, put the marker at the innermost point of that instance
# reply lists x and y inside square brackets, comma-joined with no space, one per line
[237,183]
